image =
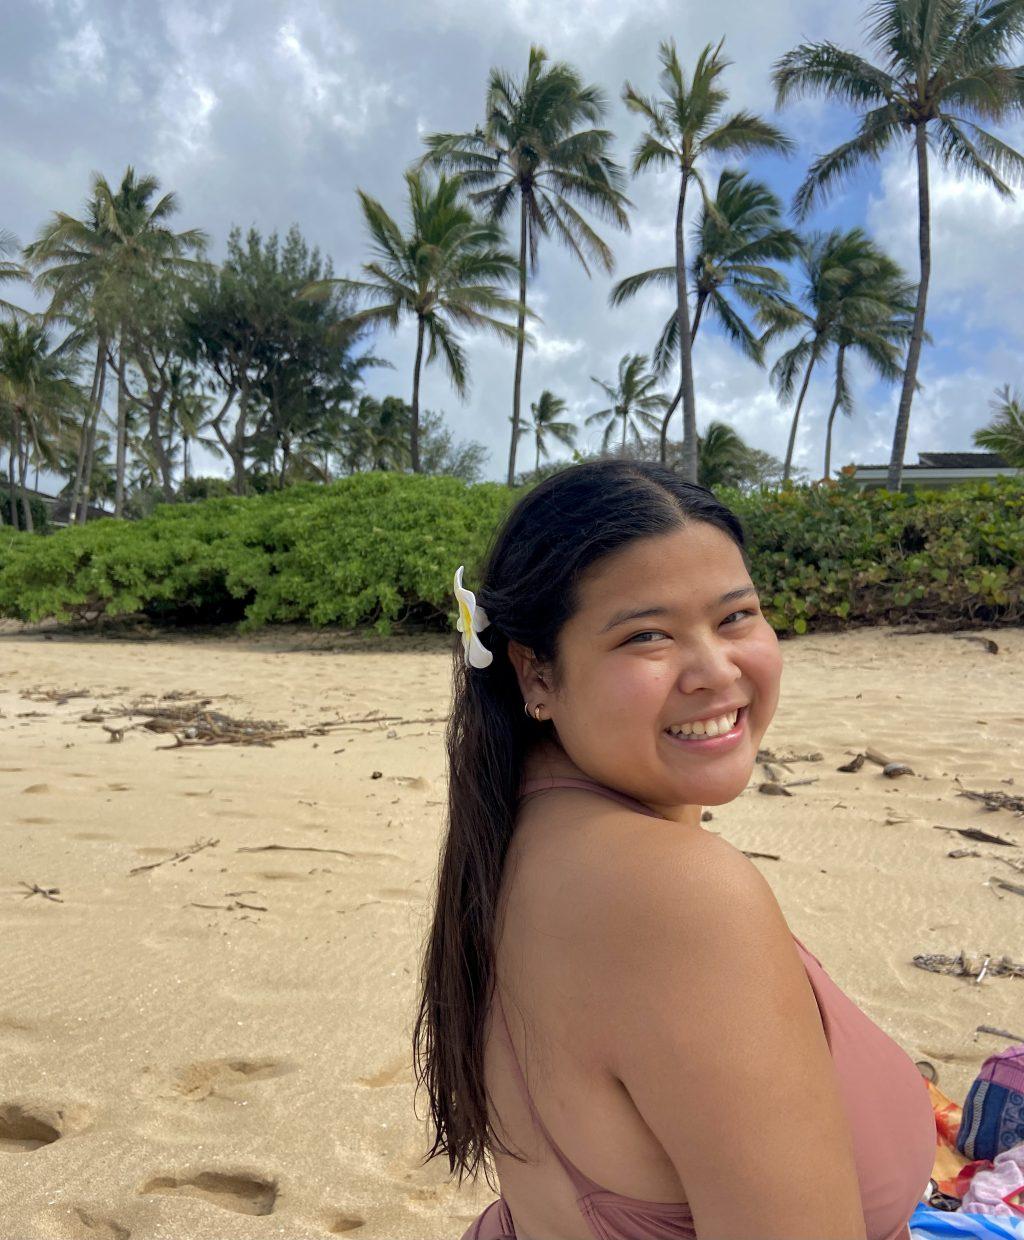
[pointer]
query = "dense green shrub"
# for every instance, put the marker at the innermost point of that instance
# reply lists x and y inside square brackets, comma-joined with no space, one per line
[378,547]
[40,512]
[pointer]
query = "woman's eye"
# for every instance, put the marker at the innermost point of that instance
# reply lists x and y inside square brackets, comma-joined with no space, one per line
[646,633]
[638,638]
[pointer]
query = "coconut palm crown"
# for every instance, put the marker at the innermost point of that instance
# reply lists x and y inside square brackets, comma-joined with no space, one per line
[686,125]
[540,150]
[446,271]
[635,405]
[738,239]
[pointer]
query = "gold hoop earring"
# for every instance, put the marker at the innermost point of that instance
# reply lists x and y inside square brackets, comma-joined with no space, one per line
[534,714]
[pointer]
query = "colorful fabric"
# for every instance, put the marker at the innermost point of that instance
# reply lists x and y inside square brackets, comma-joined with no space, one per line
[993,1112]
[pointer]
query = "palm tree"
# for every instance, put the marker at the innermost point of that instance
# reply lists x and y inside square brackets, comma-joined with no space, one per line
[537,149]
[1005,433]
[546,410]
[634,402]
[37,394]
[685,126]
[447,271]
[738,239]
[838,271]
[723,456]
[10,271]
[92,267]
[875,320]
[942,68]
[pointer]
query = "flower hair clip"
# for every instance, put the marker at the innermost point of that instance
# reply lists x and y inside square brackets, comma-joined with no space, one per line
[472,621]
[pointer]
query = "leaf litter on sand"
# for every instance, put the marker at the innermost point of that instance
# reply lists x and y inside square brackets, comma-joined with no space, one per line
[192,724]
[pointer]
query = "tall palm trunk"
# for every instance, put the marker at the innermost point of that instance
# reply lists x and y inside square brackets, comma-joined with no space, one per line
[796,418]
[184,459]
[685,351]
[26,507]
[517,385]
[840,359]
[415,434]
[122,427]
[663,444]
[95,396]
[625,419]
[899,442]
[536,459]
[90,452]
[12,494]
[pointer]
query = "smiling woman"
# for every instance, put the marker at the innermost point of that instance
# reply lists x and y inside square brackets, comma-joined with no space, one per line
[680,1044]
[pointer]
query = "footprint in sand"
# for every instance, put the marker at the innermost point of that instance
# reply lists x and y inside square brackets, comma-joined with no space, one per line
[33,788]
[223,1077]
[102,1228]
[16,1034]
[23,1129]
[390,1074]
[342,1224]
[34,822]
[238,1193]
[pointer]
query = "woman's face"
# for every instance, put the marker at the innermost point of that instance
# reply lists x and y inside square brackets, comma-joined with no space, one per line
[702,650]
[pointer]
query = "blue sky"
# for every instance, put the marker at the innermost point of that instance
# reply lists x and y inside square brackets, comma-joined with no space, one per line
[271,112]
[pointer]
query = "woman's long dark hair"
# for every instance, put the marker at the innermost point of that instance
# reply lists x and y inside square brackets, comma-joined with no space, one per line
[529,589]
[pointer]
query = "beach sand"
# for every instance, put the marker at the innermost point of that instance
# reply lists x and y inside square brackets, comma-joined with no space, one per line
[239,1071]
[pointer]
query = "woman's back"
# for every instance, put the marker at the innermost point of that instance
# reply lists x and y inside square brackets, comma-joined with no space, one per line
[596,1166]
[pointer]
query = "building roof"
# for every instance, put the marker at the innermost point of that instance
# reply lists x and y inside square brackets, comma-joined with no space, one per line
[962,460]
[951,460]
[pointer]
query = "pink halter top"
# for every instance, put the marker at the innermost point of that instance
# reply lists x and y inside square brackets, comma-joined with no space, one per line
[886,1100]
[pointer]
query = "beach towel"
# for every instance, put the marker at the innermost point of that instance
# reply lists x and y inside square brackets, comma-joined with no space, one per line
[929,1224]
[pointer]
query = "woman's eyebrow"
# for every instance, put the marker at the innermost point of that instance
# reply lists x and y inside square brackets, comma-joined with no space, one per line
[636,613]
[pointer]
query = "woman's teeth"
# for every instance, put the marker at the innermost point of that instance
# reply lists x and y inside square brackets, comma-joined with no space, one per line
[707,727]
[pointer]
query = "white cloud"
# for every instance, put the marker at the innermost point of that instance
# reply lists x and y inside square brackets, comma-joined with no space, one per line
[977,240]
[79,59]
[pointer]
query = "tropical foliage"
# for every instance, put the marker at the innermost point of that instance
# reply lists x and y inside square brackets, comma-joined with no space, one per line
[540,154]
[134,355]
[685,127]
[635,404]
[378,548]
[1005,433]
[941,68]
[446,272]
[853,296]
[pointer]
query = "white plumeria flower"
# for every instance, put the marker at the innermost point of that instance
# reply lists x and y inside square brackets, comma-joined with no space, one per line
[472,620]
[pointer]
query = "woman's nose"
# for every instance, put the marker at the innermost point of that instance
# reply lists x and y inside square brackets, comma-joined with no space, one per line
[710,665]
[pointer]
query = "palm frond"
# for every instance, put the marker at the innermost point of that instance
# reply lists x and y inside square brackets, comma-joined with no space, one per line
[979,154]
[824,68]
[879,128]
[628,288]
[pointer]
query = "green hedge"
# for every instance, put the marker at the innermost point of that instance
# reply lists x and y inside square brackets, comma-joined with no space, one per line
[383,546]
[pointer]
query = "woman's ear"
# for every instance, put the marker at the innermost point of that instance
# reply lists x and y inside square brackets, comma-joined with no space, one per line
[533,681]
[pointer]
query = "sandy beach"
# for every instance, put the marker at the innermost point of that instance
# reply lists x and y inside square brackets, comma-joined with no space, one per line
[220,1045]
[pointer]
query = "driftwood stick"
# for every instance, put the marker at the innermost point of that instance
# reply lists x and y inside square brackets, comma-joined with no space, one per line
[192,849]
[1000,1033]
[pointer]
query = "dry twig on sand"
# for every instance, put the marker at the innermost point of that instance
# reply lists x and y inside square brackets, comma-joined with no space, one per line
[999,1033]
[965,965]
[982,837]
[191,851]
[995,800]
[292,848]
[48,893]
